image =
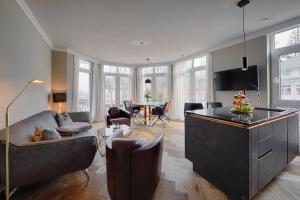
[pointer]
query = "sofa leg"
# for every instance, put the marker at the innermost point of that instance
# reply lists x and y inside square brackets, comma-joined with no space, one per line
[86,173]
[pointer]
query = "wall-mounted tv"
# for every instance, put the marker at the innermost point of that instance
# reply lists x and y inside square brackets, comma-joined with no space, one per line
[237,79]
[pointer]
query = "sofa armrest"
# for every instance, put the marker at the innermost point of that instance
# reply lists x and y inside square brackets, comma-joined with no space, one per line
[80,116]
[33,162]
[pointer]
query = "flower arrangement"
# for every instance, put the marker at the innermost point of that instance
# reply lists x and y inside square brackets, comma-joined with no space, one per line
[241,105]
[147,96]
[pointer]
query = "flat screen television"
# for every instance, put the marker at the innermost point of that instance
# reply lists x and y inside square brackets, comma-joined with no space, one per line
[237,79]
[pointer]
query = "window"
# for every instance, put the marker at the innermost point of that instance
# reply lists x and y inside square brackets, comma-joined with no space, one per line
[110,69]
[161,88]
[161,69]
[84,85]
[147,70]
[158,88]
[118,85]
[289,66]
[200,85]
[195,80]
[287,38]
[125,89]
[110,91]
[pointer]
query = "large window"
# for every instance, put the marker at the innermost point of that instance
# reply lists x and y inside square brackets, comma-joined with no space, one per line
[158,88]
[285,70]
[118,85]
[195,80]
[289,65]
[84,85]
[287,38]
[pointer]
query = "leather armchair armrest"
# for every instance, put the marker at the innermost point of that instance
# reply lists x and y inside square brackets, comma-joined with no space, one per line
[125,113]
[80,116]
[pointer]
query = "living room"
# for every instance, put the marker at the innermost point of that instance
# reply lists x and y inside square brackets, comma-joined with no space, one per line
[157,100]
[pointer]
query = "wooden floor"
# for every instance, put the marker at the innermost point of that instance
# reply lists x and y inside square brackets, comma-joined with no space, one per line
[178,182]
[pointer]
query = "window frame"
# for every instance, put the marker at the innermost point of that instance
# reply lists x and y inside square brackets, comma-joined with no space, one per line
[89,72]
[153,77]
[192,71]
[118,76]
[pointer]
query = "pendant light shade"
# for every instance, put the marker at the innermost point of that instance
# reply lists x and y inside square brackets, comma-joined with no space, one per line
[147,81]
[245,63]
[242,4]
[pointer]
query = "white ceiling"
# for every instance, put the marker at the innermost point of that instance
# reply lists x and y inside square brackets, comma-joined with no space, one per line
[108,29]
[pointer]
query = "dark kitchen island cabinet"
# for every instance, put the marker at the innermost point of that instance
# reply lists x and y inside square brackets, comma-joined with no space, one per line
[240,154]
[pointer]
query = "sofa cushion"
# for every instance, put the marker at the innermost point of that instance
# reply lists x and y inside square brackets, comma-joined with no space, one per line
[50,135]
[74,128]
[64,119]
[114,112]
[45,134]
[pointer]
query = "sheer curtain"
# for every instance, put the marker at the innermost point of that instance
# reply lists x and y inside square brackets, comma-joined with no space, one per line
[178,98]
[139,86]
[210,89]
[97,93]
[75,84]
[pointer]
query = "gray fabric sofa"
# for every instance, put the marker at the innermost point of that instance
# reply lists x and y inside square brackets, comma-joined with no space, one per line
[32,162]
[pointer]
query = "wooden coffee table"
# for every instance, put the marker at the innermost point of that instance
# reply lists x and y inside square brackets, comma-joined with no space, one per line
[106,132]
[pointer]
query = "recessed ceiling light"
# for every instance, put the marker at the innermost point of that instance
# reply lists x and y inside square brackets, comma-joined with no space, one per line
[140,43]
[266,19]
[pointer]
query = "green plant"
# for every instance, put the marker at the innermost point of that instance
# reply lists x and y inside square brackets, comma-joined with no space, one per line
[147,95]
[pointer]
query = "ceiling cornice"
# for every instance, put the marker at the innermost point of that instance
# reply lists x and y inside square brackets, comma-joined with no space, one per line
[23,5]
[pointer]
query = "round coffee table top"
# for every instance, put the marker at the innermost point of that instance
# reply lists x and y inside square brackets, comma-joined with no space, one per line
[108,131]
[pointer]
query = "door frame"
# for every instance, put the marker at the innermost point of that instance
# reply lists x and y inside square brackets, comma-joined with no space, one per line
[275,74]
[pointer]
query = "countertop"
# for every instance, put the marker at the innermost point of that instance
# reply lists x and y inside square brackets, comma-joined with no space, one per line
[259,115]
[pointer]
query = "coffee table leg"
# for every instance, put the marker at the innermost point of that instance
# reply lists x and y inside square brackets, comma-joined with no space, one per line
[102,151]
[145,115]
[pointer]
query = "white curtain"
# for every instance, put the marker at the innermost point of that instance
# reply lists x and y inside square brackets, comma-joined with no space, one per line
[75,84]
[210,91]
[97,93]
[139,89]
[178,106]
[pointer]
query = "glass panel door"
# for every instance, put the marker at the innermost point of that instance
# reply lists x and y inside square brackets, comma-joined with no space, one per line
[110,91]
[200,85]
[84,91]
[161,89]
[125,89]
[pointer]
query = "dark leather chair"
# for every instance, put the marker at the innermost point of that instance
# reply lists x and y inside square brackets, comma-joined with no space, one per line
[133,168]
[161,112]
[192,106]
[31,162]
[214,104]
[133,109]
[117,116]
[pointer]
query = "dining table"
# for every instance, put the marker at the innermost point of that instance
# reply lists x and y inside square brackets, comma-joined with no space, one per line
[147,110]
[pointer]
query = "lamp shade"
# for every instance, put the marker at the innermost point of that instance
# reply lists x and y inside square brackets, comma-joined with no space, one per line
[59,97]
[147,81]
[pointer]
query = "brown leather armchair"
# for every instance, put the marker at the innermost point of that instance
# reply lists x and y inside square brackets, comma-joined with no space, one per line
[118,116]
[133,169]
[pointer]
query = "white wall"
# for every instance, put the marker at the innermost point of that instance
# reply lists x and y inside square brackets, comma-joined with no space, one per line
[24,55]
[230,58]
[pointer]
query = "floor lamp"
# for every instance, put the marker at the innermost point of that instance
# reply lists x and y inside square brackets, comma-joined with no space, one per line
[7,195]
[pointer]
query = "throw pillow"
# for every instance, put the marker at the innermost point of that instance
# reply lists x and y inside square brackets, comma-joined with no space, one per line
[50,135]
[74,128]
[37,134]
[64,118]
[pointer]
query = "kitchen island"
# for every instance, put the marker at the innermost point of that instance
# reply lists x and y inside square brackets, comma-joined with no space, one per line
[240,154]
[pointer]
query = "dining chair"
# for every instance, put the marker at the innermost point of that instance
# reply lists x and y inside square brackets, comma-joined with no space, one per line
[214,104]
